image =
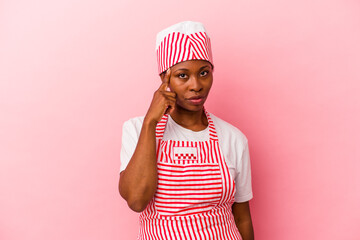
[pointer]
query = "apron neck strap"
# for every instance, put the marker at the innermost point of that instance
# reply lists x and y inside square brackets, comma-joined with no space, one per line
[161,125]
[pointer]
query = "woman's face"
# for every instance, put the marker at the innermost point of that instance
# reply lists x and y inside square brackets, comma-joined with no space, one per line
[191,81]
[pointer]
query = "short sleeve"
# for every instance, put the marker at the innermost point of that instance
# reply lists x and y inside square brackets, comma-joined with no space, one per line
[243,176]
[128,143]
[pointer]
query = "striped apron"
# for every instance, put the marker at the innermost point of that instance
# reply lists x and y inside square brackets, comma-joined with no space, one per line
[195,191]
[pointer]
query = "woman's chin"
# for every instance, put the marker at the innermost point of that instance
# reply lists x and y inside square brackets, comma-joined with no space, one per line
[191,108]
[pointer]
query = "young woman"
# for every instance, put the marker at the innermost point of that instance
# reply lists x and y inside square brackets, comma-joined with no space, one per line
[186,170]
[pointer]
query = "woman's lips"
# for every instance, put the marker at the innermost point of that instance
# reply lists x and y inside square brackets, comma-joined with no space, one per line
[196,100]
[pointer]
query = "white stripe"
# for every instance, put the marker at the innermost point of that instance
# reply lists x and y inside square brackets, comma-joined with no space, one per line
[174,225]
[160,171]
[160,198]
[187,233]
[164,232]
[204,167]
[169,233]
[199,177]
[198,223]
[170,50]
[192,182]
[194,187]
[187,49]
[195,227]
[162,54]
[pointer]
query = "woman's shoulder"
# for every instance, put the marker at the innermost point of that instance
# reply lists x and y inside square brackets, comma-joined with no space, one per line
[134,122]
[227,130]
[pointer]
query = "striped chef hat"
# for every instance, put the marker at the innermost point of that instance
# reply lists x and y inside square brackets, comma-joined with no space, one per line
[181,42]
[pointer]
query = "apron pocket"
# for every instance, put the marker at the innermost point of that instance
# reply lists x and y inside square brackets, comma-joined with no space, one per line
[187,189]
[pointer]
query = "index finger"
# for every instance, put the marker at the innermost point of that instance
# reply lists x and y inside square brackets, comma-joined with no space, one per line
[165,80]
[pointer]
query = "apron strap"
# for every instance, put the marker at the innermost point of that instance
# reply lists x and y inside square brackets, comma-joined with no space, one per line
[161,125]
[212,131]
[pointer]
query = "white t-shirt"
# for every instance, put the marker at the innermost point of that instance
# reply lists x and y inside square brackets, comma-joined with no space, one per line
[233,144]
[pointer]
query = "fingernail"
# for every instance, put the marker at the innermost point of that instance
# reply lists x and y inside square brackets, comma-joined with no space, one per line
[168,70]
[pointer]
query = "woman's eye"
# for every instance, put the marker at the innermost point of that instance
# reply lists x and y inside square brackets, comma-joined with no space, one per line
[204,73]
[182,75]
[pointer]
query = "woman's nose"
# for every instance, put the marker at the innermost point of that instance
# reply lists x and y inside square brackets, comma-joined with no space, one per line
[195,84]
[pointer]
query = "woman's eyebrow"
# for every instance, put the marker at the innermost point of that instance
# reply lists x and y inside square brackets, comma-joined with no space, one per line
[182,69]
[204,67]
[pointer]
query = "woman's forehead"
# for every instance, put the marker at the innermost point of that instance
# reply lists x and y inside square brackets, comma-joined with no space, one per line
[190,64]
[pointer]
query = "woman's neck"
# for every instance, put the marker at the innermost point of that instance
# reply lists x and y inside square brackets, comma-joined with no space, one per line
[195,121]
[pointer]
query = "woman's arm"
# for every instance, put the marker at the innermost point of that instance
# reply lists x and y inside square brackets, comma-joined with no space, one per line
[241,212]
[138,182]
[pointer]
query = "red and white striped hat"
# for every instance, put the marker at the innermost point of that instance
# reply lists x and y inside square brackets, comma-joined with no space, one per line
[181,42]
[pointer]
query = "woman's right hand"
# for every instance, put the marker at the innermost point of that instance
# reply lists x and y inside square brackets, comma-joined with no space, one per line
[162,103]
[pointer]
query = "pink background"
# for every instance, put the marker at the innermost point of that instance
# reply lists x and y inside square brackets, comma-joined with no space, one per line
[71,72]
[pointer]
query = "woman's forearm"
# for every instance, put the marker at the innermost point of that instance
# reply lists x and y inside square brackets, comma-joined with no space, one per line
[138,182]
[242,217]
[246,230]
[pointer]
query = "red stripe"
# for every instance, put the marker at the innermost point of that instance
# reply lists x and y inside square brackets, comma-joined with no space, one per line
[175,229]
[189,180]
[192,227]
[168,229]
[166,52]
[158,59]
[186,196]
[185,50]
[185,230]
[178,230]
[168,205]
[187,175]
[188,170]
[167,184]
[210,223]
[202,227]
[188,166]
[193,52]
[176,49]
[181,51]
[182,195]
[171,49]
[208,46]
[189,189]
[162,54]
[189,210]
[199,226]
[214,136]
[165,229]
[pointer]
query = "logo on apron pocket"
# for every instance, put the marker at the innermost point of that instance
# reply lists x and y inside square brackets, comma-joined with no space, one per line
[185,153]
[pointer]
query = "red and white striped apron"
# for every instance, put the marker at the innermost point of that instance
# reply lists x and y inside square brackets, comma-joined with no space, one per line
[195,191]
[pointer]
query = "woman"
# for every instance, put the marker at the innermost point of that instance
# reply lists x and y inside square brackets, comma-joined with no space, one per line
[186,170]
